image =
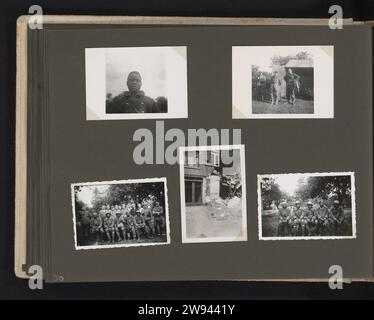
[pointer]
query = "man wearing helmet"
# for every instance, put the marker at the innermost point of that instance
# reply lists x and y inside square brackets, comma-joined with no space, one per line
[311,218]
[297,220]
[322,213]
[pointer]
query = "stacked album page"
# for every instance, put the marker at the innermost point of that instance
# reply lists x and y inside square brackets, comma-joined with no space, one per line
[194,149]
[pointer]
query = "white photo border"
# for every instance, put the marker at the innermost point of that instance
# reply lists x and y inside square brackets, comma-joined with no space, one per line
[241,149]
[323,102]
[127,181]
[315,174]
[95,85]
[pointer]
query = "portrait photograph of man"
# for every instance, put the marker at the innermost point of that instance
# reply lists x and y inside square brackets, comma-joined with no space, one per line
[136,83]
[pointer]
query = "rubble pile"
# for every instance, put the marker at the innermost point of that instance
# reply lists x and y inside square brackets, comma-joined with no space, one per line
[220,208]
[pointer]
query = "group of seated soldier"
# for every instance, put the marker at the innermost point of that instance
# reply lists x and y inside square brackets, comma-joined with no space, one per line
[310,220]
[122,222]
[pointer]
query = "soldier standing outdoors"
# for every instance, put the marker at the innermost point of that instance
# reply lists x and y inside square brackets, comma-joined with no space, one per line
[297,220]
[292,84]
[96,226]
[312,220]
[148,217]
[261,86]
[158,214]
[284,214]
[322,213]
[337,218]
[132,101]
[275,88]
[119,226]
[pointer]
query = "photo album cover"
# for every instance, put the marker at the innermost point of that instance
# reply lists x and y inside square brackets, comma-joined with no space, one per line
[185,148]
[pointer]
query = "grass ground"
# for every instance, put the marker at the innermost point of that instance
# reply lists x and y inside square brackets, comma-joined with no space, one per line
[270,222]
[300,107]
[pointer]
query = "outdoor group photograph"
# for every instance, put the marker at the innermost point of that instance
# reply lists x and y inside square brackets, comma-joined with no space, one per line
[306,206]
[124,213]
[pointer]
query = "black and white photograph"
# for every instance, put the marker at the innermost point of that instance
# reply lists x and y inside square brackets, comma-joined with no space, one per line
[213,193]
[136,83]
[120,213]
[307,206]
[282,81]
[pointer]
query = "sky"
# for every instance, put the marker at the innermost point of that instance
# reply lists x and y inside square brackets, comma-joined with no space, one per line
[150,62]
[288,183]
[261,56]
[87,192]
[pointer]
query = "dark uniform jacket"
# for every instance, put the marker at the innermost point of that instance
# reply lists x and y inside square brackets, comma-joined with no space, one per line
[291,79]
[127,102]
[158,211]
[147,213]
[109,223]
[322,213]
[284,214]
[139,221]
[129,221]
[337,214]
[95,223]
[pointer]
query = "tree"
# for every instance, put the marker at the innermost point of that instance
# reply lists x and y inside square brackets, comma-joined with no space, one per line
[270,192]
[327,187]
[119,193]
[283,60]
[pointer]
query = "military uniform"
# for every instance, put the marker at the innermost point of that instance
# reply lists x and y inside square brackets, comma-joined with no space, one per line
[337,220]
[129,223]
[322,214]
[140,226]
[109,228]
[292,84]
[298,222]
[149,219]
[96,226]
[119,226]
[102,214]
[158,214]
[312,221]
[275,89]
[284,215]
[128,102]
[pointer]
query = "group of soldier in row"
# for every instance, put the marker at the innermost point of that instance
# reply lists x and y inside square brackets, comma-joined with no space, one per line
[292,86]
[310,221]
[122,222]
